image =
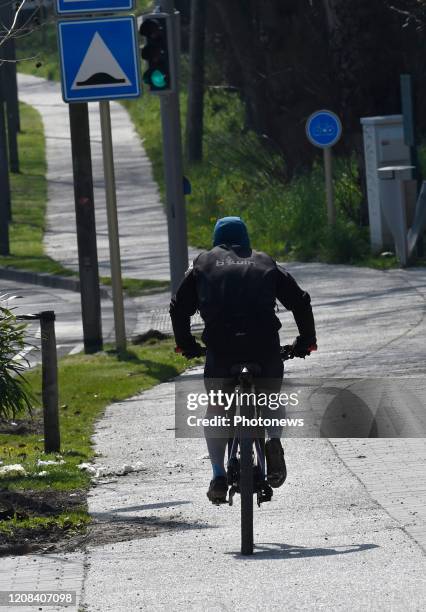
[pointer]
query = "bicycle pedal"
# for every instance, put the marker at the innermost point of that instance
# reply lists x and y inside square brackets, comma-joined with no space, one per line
[233,471]
[218,502]
[231,494]
[265,494]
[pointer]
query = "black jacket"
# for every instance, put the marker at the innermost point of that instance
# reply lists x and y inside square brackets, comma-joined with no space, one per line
[235,291]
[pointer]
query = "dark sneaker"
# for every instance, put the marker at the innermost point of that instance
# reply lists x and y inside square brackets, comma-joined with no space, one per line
[276,469]
[218,489]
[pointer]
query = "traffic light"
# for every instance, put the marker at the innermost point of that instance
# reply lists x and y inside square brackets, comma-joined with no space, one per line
[156,28]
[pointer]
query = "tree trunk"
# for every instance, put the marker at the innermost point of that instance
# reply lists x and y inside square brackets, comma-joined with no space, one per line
[194,117]
[238,20]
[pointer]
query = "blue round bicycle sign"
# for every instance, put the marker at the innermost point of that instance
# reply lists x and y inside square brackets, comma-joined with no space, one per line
[323,129]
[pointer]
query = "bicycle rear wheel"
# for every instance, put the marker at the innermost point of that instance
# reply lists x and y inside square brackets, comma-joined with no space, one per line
[246,491]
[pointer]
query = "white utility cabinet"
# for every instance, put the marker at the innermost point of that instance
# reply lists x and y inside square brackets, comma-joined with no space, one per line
[383,146]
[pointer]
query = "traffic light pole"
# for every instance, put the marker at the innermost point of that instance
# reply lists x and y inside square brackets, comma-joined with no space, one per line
[173,162]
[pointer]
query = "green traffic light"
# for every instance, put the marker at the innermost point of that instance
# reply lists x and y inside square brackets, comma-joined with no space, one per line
[158,79]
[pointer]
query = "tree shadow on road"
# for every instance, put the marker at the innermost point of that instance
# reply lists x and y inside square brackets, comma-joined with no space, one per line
[287,551]
[168,504]
[108,527]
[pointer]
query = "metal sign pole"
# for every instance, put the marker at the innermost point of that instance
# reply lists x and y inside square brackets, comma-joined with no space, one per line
[173,166]
[100,62]
[324,129]
[114,241]
[328,170]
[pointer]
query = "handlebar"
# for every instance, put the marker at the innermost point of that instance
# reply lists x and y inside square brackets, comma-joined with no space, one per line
[286,352]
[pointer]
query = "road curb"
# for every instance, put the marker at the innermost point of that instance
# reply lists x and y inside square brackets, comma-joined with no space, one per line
[46,280]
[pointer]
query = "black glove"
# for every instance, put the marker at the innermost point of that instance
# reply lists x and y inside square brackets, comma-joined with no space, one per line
[302,347]
[192,350]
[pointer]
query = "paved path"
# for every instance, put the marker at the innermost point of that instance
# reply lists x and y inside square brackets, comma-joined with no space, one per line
[142,221]
[348,530]
[323,543]
[370,324]
[63,572]
[336,534]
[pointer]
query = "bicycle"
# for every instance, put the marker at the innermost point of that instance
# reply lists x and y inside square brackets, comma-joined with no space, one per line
[246,466]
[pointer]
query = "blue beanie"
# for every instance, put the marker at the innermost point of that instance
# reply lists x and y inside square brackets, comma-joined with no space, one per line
[231,230]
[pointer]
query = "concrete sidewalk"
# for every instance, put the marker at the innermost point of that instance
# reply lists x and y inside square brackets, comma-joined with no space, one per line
[346,531]
[336,537]
[142,221]
[322,543]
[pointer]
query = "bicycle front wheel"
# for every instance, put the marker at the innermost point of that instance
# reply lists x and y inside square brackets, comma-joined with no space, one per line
[246,490]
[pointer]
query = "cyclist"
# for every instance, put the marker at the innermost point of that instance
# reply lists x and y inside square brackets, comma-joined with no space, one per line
[235,289]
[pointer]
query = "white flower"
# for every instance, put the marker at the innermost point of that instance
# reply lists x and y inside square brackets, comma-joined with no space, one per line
[12,470]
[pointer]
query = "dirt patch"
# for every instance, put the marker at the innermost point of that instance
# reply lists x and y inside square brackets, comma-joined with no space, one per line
[151,334]
[41,539]
[107,529]
[114,529]
[47,503]
[21,427]
[40,503]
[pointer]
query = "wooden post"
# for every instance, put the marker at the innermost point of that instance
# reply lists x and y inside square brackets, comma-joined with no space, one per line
[49,365]
[86,227]
[328,169]
[4,183]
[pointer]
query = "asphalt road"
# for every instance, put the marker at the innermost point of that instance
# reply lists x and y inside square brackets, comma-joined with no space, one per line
[30,299]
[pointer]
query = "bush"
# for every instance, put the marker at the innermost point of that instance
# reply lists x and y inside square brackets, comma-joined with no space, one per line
[14,393]
[286,219]
[344,243]
[244,175]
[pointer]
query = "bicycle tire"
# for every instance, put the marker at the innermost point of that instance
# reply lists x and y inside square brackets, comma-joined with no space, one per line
[246,492]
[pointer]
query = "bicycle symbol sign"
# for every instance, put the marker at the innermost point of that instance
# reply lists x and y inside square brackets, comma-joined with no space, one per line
[323,129]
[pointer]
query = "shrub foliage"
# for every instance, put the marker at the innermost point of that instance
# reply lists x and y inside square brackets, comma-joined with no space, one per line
[15,395]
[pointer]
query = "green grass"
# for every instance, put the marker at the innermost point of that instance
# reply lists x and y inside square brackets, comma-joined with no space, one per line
[87,384]
[239,176]
[135,286]
[66,521]
[29,193]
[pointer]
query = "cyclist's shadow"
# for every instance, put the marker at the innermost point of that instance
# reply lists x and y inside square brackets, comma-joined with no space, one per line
[287,551]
